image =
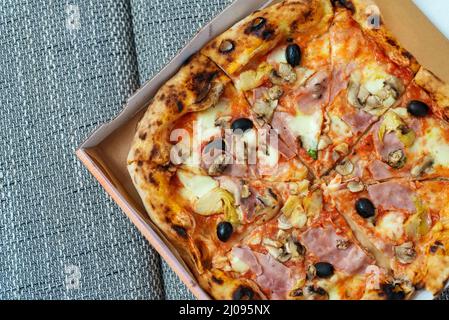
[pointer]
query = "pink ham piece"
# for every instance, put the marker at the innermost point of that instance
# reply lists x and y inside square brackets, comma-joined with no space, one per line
[392,196]
[380,170]
[322,242]
[314,94]
[358,121]
[270,274]
[287,145]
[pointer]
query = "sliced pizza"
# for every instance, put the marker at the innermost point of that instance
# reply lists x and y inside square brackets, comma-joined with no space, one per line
[404,224]
[411,141]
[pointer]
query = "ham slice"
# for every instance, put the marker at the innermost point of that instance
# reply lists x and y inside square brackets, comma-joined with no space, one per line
[380,170]
[392,196]
[322,242]
[287,145]
[270,274]
[358,121]
[314,94]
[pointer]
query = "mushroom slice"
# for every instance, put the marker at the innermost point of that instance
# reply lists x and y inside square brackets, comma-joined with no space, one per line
[345,168]
[405,253]
[287,73]
[275,92]
[356,186]
[219,165]
[267,205]
[397,159]
[353,92]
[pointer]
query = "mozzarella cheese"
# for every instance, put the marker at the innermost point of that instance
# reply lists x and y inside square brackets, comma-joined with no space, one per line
[339,128]
[195,186]
[434,144]
[308,128]
[391,225]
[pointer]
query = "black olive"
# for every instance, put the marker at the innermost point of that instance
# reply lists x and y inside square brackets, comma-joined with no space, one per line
[258,23]
[365,208]
[293,55]
[418,108]
[242,124]
[217,144]
[324,269]
[243,293]
[393,292]
[224,231]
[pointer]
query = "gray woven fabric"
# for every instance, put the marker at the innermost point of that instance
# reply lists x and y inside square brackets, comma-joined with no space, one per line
[161,29]
[60,77]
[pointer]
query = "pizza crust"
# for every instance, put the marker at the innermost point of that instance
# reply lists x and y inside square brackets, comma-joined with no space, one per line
[263,30]
[438,89]
[197,86]
[367,14]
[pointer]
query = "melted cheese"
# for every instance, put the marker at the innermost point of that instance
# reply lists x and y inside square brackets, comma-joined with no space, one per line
[277,56]
[391,225]
[434,144]
[308,128]
[340,128]
[195,186]
[204,130]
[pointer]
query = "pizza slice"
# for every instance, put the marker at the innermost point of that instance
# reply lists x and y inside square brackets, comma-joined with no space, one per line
[306,253]
[404,224]
[411,140]
[285,77]
[366,82]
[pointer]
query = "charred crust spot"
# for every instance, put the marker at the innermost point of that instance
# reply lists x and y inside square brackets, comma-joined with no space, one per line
[162,97]
[407,54]
[187,61]
[180,106]
[268,34]
[392,42]
[139,163]
[154,151]
[243,293]
[347,4]
[217,280]
[152,180]
[142,135]
[201,84]
[180,231]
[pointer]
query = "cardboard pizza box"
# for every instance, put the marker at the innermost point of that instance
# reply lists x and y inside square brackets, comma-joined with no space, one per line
[104,153]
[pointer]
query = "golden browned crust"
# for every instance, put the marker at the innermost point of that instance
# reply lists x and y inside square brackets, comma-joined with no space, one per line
[224,287]
[153,184]
[263,30]
[368,16]
[438,90]
[197,86]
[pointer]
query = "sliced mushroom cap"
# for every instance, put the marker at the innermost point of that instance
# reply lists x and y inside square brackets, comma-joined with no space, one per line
[275,92]
[356,186]
[324,142]
[405,253]
[267,205]
[265,108]
[345,168]
[287,73]
[397,159]
[219,165]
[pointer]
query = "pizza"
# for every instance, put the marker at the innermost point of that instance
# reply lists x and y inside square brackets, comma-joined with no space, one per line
[303,154]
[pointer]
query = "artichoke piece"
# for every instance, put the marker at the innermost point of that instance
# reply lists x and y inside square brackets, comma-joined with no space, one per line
[392,122]
[218,201]
[294,212]
[418,224]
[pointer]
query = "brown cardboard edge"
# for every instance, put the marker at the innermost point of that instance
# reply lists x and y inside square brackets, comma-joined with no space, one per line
[157,243]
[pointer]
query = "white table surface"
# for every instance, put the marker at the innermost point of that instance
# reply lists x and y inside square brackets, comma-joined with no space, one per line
[437,11]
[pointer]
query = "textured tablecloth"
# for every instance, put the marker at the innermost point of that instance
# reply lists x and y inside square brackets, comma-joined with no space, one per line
[65,68]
